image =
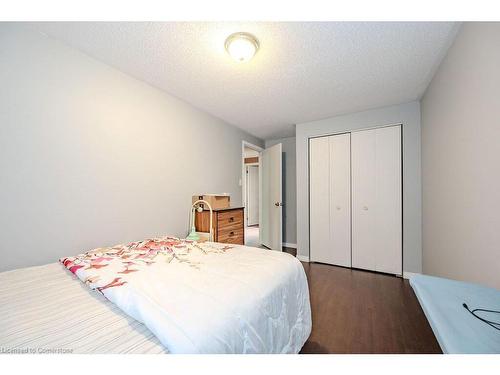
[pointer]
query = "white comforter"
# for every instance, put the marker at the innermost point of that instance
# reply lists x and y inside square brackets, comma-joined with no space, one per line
[205,298]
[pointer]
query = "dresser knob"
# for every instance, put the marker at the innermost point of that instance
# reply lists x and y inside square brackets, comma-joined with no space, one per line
[231,219]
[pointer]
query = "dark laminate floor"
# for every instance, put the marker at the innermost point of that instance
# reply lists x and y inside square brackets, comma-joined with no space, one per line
[289,250]
[363,312]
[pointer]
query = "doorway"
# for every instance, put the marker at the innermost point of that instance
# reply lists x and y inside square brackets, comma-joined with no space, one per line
[262,195]
[252,200]
[250,192]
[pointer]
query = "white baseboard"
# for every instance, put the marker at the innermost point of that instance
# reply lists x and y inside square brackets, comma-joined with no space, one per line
[291,245]
[407,275]
[303,258]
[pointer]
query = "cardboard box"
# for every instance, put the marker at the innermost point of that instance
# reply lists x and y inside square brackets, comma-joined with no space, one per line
[217,201]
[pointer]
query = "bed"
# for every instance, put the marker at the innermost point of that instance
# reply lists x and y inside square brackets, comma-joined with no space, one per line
[46,309]
[160,295]
[457,330]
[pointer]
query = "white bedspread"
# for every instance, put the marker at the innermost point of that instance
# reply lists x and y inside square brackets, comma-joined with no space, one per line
[214,299]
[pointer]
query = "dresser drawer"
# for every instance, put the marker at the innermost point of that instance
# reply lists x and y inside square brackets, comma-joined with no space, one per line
[231,235]
[230,218]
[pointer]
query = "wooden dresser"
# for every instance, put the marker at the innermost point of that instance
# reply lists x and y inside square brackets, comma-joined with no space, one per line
[227,224]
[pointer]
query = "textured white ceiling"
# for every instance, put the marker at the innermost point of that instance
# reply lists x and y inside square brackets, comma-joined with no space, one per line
[302,72]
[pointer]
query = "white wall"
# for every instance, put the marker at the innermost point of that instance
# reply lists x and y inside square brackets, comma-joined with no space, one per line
[406,114]
[289,187]
[250,153]
[461,160]
[92,157]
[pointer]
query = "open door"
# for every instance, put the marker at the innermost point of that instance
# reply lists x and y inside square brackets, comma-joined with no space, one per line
[270,210]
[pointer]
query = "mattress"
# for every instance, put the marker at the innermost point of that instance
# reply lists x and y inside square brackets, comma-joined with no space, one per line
[46,309]
[456,329]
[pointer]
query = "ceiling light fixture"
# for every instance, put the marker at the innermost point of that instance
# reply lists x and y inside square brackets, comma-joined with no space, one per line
[241,46]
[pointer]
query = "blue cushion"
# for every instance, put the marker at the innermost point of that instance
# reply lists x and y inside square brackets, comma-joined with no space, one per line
[456,329]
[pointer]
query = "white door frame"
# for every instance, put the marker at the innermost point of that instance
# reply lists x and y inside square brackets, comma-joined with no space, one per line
[244,176]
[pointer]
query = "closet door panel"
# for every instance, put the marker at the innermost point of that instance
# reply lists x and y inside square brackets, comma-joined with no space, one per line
[340,200]
[364,210]
[388,197]
[319,193]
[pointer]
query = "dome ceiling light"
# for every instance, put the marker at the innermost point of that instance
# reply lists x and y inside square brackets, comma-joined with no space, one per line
[241,46]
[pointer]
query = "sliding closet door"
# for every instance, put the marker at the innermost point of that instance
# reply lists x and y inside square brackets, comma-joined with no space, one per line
[319,192]
[376,199]
[330,221]
[340,200]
